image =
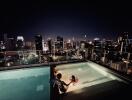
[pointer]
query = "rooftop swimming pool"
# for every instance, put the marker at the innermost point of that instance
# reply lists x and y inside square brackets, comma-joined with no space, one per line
[25,84]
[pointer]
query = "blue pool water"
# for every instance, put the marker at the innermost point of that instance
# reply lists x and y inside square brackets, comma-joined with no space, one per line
[25,84]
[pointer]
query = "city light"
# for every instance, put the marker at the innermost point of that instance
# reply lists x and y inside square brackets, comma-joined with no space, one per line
[20,38]
[69,41]
[90,42]
[96,39]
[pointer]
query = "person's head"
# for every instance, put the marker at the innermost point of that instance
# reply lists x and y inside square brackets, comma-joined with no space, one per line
[59,75]
[73,76]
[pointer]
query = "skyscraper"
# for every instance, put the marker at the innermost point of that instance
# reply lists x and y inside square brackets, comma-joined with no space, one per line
[59,43]
[2,46]
[11,41]
[38,43]
[8,41]
[2,43]
[20,42]
[123,42]
[10,44]
[50,45]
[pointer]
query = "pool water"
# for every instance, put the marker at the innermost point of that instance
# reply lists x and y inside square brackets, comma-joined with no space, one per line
[88,74]
[25,84]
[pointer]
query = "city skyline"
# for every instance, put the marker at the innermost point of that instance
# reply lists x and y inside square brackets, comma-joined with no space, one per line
[78,37]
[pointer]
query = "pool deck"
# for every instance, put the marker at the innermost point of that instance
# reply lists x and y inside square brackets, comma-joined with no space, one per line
[105,91]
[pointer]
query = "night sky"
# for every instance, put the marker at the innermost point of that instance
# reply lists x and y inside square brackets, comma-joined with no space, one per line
[67,18]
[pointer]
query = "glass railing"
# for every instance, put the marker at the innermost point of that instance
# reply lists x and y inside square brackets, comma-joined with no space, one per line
[26,57]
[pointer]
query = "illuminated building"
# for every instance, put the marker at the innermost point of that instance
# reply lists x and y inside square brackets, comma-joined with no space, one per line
[74,45]
[20,42]
[83,44]
[2,46]
[8,41]
[59,43]
[2,43]
[123,41]
[68,44]
[49,45]
[28,45]
[97,44]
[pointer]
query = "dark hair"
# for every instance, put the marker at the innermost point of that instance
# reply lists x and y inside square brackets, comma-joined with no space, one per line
[59,75]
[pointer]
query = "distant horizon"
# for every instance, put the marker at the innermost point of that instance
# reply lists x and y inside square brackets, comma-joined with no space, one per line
[102,35]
